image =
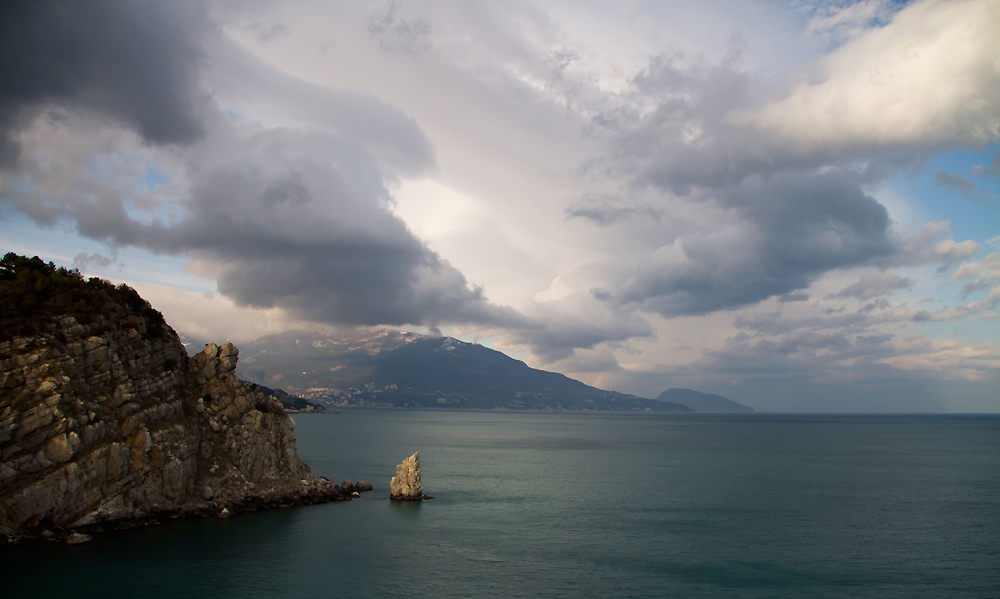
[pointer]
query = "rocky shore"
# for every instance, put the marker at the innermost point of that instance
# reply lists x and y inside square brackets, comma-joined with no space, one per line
[108,424]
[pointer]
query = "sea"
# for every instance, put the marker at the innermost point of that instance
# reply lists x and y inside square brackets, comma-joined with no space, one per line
[581,505]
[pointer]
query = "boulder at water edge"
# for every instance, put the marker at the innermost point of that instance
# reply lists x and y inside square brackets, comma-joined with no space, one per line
[406,484]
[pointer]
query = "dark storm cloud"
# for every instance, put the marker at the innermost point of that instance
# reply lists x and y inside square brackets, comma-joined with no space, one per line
[954,182]
[292,219]
[243,83]
[777,216]
[136,62]
[688,104]
[793,227]
[295,214]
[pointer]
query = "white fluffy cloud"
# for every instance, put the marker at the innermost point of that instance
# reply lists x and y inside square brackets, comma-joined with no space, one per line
[931,76]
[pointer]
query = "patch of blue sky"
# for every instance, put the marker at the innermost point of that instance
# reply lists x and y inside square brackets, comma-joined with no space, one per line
[155,178]
[974,213]
[61,244]
[947,296]
[166,214]
[971,329]
[110,168]
[104,168]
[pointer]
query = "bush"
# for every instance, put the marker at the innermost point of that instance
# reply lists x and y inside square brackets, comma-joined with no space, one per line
[33,294]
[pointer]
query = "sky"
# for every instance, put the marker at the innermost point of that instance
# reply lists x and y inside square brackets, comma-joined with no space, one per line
[793,204]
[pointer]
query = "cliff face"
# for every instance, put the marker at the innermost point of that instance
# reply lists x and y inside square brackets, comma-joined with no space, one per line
[110,423]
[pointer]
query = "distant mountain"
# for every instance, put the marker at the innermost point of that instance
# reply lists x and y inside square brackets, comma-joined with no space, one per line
[390,368]
[289,401]
[703,402]
[319,362]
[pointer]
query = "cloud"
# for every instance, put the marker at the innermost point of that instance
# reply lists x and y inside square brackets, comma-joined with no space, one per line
[790,229]
[984,274]
[767,217]
[245,85]
[993,169]
[201,317]
[928,77]
[286,204]
[875,284]
[946,358]
[597,360]
[707,190]
[135,62]
[778,323]
[990,302]
[839,23]
[83,261]
[266,34]
[839,357]
[671,130]
[397,35]
[577,321]
[606,210]
[988,268]
[932,243]
[955,182]
[794,297]
[280,218]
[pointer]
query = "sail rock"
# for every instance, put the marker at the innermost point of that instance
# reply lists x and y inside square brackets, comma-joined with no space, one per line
[406,484]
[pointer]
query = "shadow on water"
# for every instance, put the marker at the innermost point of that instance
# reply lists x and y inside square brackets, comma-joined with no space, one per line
[406,510]
[124,563]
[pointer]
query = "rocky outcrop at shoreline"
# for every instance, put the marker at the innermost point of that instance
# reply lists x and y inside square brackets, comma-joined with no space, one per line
[108,423]
[406,484]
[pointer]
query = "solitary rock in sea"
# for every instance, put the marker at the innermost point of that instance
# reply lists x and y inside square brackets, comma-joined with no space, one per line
[78,537]
[406,484]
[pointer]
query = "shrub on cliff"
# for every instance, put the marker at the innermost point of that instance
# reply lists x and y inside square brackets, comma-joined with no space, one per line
[33,293]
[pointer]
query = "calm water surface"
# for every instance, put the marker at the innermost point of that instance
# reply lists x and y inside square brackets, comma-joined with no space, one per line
[585,505]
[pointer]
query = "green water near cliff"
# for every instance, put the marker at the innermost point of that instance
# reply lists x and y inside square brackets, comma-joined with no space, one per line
[587,505]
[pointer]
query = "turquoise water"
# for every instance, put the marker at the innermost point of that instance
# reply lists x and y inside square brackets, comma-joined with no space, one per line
[586,505]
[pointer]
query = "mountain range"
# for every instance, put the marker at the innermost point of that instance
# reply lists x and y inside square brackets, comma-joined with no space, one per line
[704,402]
[390,368]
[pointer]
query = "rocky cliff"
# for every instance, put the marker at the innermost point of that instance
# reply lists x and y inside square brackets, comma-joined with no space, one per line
[105,421]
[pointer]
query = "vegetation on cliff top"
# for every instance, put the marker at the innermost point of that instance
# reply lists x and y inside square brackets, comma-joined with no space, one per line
[34,293]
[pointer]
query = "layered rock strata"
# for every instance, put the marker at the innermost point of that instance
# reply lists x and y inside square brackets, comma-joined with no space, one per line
[406,484]
[105,425]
